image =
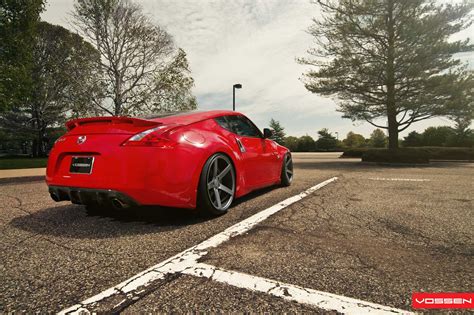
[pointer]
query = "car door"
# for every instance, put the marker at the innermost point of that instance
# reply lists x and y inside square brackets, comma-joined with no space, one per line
[274,159]
[270,160]
[255,151]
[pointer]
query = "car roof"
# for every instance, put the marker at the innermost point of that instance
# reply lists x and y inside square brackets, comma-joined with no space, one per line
[189,117]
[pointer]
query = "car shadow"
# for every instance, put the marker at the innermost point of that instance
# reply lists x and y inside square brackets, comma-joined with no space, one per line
[76,221]
[253,194]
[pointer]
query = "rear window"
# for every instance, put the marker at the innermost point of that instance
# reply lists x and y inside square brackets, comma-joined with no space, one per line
[240,125]
[221,121]
[168,114]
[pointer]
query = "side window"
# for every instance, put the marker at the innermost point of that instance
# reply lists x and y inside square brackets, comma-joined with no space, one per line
[243,127]
[222,121]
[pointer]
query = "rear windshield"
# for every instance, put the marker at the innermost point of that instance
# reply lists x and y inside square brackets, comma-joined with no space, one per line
[169,114]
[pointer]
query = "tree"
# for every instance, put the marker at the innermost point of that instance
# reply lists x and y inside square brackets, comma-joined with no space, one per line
[462,114]
[326,140]
[437,136]
[462,133]
[414,139]
[278,131]
[139,62]
[306,144]
[354,140]
[389,59]
[174,86]
[18,21]
[291,143]
[62,76]
[378,139]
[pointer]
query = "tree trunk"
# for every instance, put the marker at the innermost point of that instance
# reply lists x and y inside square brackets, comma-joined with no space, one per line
[34,148]
[118,92]
[392,131]
[117,107]
[390,81]
[41,151]
[38,145]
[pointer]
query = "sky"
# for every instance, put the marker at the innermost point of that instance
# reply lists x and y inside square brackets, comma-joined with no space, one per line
[255,43]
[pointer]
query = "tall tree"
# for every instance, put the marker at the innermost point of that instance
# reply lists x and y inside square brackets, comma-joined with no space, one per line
[326,140]
[174,85]
[378,139]
[354,140]
[462,131]
[437,136]
[63,83]
[462,113]
[278,131]
[306,144]
[137,57]
[291,143]
[18,21]
[389,59]
[413,139]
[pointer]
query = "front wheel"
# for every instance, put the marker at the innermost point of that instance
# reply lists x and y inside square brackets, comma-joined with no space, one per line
[286,176]
[216,189]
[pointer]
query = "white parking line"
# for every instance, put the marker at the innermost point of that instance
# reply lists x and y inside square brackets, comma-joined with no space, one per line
[401,179]
[133,287]
[323,300]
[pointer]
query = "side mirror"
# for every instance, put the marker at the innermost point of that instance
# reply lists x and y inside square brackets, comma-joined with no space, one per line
[267,133]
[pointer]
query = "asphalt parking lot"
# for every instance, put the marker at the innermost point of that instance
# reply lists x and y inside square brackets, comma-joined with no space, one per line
[375,234]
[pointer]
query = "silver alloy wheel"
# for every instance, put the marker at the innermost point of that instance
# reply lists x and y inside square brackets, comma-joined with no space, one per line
[289,168]
[221,182]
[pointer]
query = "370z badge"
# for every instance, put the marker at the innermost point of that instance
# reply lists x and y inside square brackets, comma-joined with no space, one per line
[81,139]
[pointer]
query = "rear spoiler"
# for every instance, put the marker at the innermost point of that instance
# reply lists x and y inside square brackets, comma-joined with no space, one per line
[110,120]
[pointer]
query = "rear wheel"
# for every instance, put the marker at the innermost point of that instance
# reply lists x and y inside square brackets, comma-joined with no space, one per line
[216,189]
[287,170]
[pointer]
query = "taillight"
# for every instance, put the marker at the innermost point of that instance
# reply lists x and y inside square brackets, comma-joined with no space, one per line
[150,138]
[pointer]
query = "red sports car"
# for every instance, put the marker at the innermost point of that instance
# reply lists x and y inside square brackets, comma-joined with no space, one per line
[198,160]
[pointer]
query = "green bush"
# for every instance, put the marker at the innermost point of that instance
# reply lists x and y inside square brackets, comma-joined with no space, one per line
[398,156]
[22,162]
[418,155]
[354,152]
[433,153]
[444,153]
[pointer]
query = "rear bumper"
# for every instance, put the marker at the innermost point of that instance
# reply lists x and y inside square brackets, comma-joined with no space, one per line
[148,175]
[88,196]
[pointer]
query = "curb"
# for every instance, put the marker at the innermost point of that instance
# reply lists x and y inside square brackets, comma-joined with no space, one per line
[431,162]
[21,179]
[394,164]
[452,161]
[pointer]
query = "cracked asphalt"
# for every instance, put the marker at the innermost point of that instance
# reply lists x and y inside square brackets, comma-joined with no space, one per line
[370,239]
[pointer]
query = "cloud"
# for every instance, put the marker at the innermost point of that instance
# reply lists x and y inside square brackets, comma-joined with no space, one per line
[255,43]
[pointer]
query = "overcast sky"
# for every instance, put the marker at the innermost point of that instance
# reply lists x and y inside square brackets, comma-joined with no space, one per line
[255,43]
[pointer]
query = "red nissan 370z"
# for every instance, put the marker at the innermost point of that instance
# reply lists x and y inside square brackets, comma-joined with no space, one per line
[198,160]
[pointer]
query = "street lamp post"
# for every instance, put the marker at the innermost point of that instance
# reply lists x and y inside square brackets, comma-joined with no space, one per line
[236,86]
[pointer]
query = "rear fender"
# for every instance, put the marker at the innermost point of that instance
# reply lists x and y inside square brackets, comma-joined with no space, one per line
[221,144]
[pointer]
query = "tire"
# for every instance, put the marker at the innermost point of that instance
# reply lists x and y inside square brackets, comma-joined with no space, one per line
[286,176]
[216,189]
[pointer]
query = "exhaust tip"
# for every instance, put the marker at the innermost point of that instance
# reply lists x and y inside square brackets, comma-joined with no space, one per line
[55,197]
[119,204]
